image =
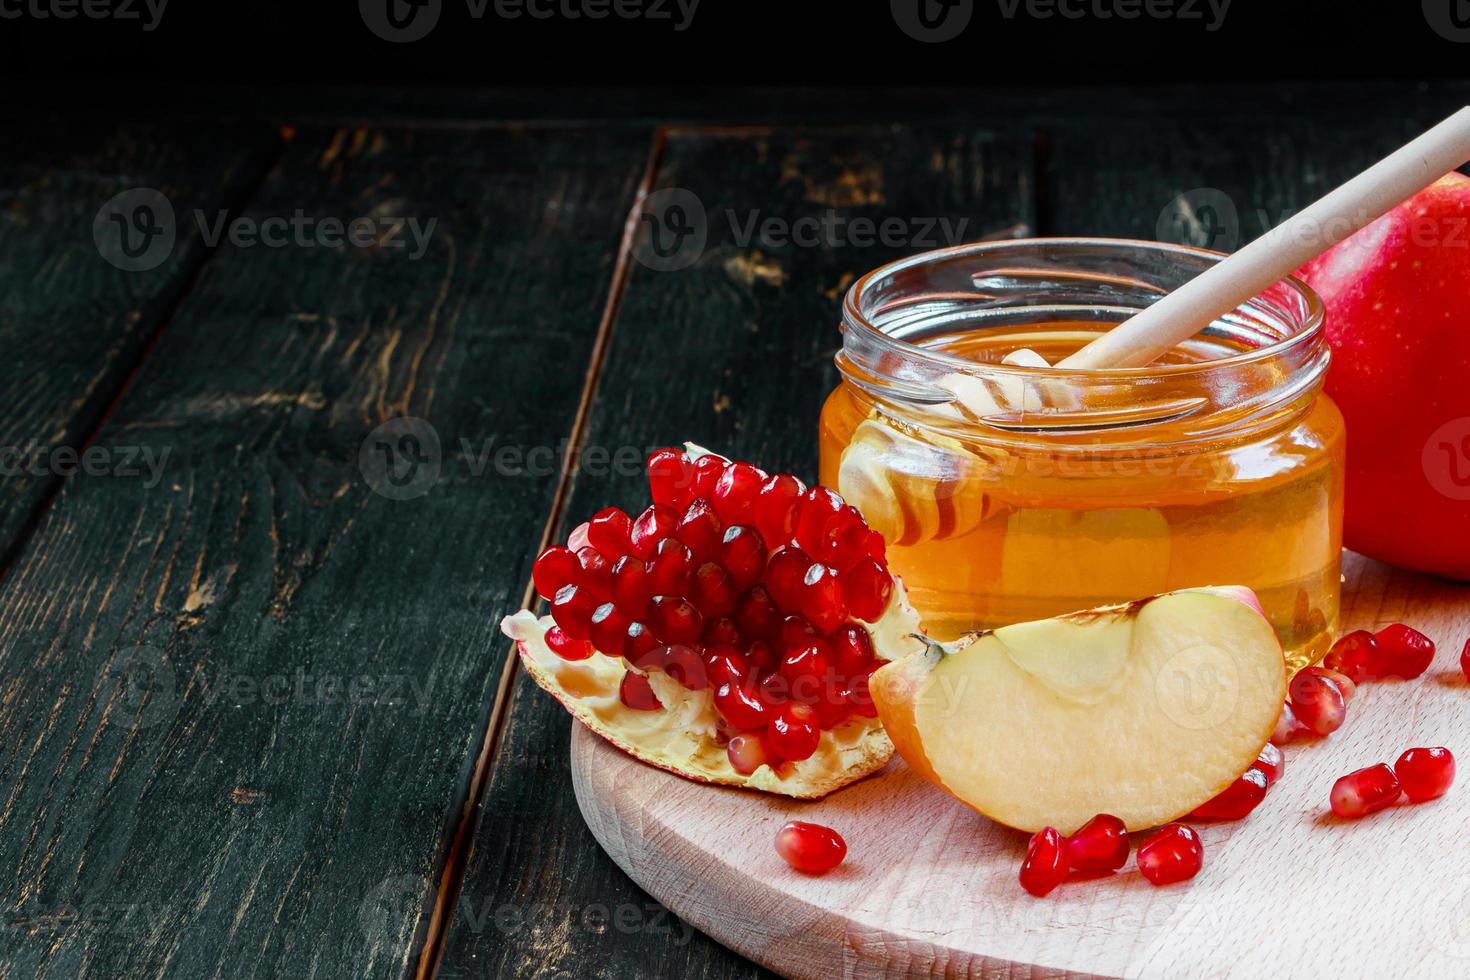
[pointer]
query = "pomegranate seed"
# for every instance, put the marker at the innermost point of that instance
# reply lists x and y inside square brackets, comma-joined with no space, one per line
[740,707]
[700,530]
[773,690]
[746,754]
[815,509]
[859,695]
[793,733]
[713,591]
[784,576]
[1365,791]
[610,532]
[807,668]
[1343,681]
[877,548]
[652,526]
[852,650]
[821,598]
[743,554]
[565,647]
[835,709]
[721,632]
[1425,774]
[609,629]
[795,631]
[1403,651]
[761,655]
[637,693]
[596,572]
[669,475]
[1465,660]
[648,658]
[1238,799]
[1318,703]
[846,539]
[674,619]
[810,847]
[630,586]
[735,494]
[671,569]
[555,568]
[774,508]
[1287,729]
[572,608]
[577,540]
[867,586]
[1355,655]
[640,643]
[685,664]
[755,614]
[1271,762]
[1045,864]
[1101,844]
[1171,854]
[726,665]
[707,473]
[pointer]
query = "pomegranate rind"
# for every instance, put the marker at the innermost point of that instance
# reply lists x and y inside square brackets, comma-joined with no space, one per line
[680,738]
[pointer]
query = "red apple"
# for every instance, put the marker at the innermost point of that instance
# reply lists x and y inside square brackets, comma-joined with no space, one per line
[1398,319]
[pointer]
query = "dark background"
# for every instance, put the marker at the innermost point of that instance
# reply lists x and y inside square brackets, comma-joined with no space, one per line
[578,67]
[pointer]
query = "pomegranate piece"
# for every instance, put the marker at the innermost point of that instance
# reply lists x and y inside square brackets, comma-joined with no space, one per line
[1365,791]
[1402,652]
[1355,654]
[557,567]
[1318,703]
[1045,864]
[1171,854]
[1101,844]
[746,754]
[1271,763]
[1238,799]
[637,693]
[793,733]
[810,847]
[1425,774]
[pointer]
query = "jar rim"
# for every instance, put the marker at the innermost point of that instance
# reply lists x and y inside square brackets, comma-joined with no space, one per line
[853,317]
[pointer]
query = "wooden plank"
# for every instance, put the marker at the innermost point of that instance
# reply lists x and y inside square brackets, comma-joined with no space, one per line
[73,324]
[239,711]
[733,351]
[929,887]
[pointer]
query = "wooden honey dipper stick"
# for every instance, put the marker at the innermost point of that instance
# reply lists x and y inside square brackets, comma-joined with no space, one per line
[1256,267]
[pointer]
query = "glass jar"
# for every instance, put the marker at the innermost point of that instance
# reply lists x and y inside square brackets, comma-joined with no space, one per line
[1010,493]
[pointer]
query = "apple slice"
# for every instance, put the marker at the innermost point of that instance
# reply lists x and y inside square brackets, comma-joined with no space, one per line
[1143,710]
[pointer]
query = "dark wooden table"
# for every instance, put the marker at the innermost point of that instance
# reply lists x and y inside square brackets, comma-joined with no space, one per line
[256,718]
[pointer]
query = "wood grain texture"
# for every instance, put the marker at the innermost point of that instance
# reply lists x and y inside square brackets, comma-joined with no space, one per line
[239,709]
[734,352]
[72,325]
[929,887]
